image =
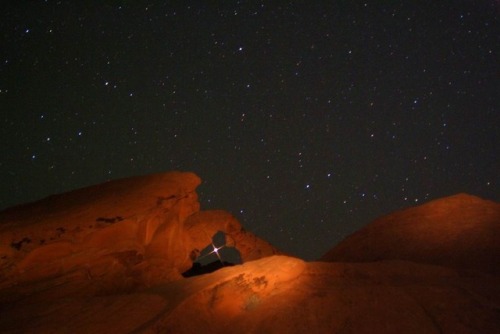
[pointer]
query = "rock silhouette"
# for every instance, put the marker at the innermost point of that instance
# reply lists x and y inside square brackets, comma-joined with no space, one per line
[110,258]
[199,269]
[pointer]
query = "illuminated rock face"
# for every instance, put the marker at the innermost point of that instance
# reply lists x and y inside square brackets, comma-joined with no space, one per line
[460,231]
[285,295]
[278,294]
[117,236]
[109,258]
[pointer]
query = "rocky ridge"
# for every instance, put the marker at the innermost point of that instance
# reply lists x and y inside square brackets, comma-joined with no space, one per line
[109,258]
[117,236]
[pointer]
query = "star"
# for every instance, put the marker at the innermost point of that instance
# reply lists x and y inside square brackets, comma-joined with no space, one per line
[383,103]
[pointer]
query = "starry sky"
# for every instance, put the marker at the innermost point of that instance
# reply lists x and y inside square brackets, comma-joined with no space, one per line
[305,119]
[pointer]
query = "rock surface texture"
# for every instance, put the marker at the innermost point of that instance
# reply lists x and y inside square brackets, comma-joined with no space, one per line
[109,258]
[115,237]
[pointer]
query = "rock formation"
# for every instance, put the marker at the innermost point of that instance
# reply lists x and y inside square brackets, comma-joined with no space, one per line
[460,231]
[109,258]
[117,236]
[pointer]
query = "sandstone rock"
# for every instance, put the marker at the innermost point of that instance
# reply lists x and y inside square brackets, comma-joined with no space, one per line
[280,294]
[120,235]
[460,231]
[109,258]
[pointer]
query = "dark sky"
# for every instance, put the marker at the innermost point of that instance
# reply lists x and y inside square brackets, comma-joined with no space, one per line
[306,119]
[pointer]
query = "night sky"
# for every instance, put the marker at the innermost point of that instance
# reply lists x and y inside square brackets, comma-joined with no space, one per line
[306,120]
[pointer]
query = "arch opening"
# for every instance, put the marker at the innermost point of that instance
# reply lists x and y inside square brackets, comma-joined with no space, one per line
[216,255]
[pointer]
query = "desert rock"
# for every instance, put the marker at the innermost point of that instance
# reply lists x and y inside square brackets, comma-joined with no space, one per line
[109,258]
[460,231]
[116,236]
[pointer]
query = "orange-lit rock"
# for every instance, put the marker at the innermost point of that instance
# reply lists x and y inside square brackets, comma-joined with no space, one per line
[108,258]
[460,231]
[280,294]
[120,235]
